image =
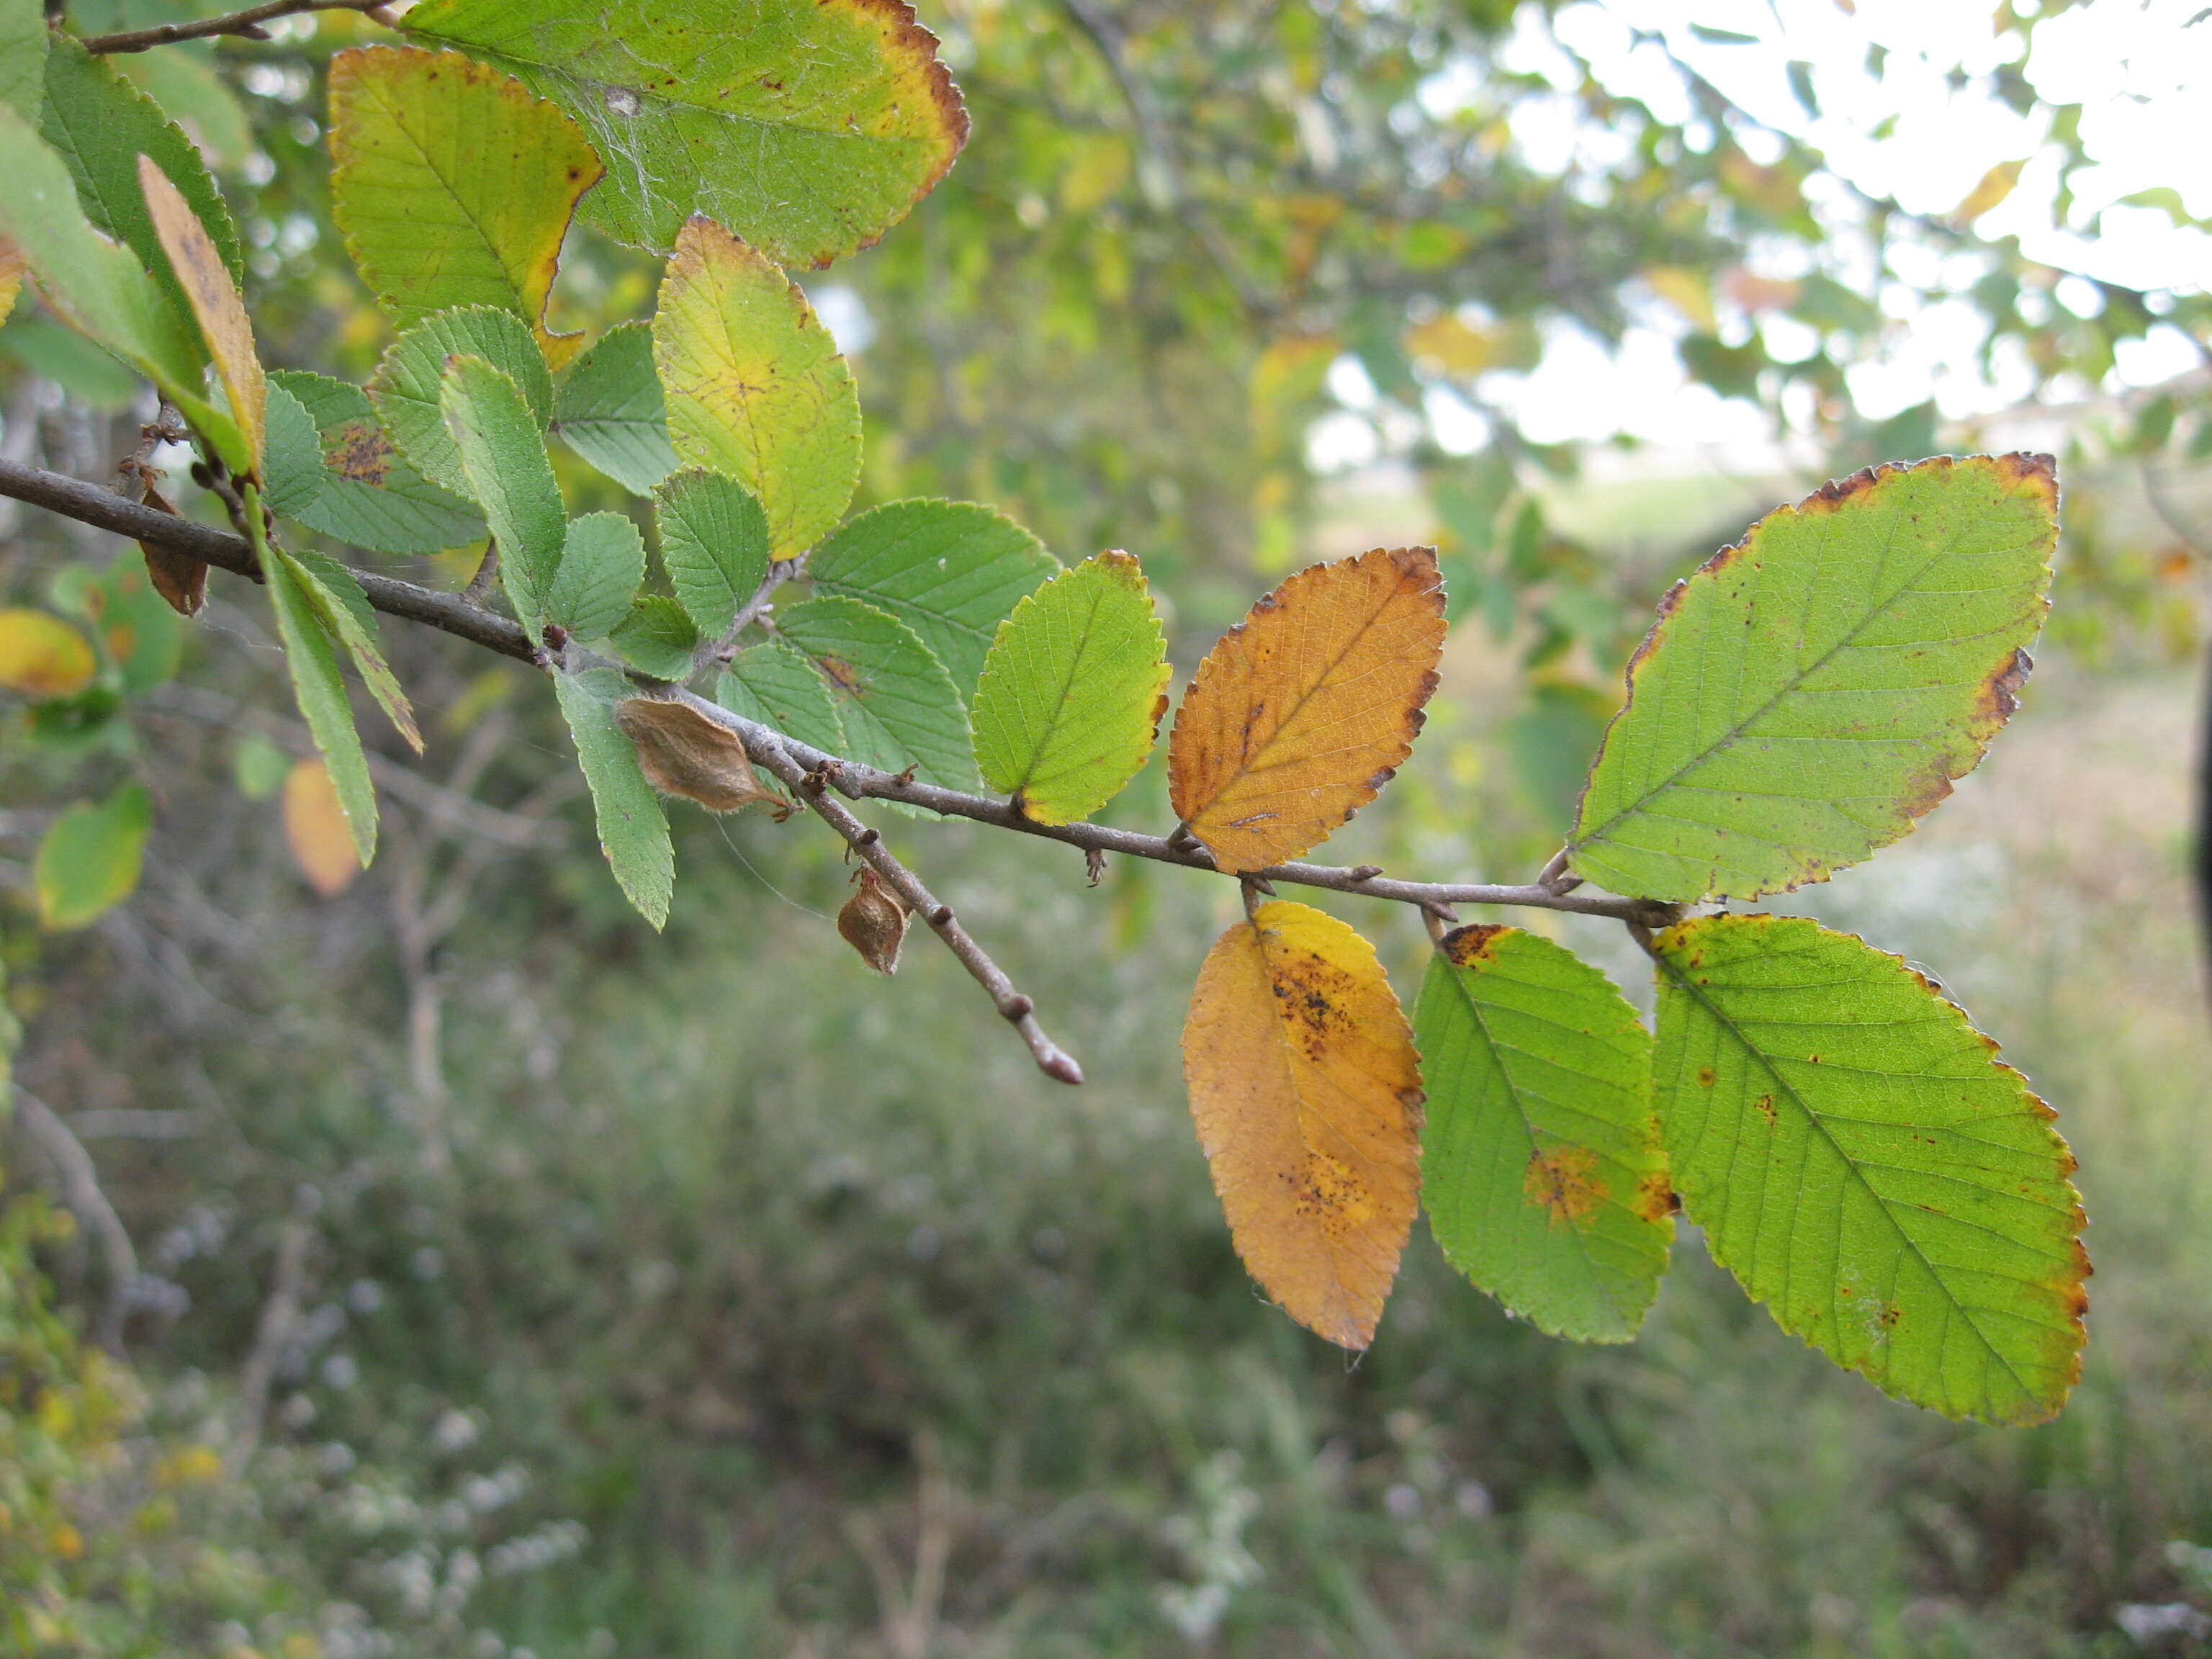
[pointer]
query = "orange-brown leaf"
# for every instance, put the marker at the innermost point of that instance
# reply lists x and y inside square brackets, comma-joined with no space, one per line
[1307,1094]
[683,752]
[316,829]
[1301,712]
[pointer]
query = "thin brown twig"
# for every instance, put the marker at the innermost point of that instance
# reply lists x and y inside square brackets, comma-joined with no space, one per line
[82,1190]
[247,23]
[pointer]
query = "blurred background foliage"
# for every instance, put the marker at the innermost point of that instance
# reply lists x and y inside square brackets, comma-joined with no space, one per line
[445,1267]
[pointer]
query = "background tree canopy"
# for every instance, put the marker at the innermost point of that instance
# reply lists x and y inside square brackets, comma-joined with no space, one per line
[431,1261]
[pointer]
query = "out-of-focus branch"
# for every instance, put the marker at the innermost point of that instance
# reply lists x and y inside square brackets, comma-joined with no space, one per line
[247,23]
[279,1316]
[80,1190]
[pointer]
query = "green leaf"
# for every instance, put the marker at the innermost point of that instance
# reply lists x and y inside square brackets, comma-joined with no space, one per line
[811,126]
[602,563]
[95,286]
[404,390]
[89,859]
[23,41]
[99,123]
[657,638]
[366,494]
[1810,692]
[609,408]
[1073,691]
[197,100]
[1864,1165]
[895,701]
[293,465]
[713,541]
[503,453]
[88,373]
[143,636]
[344,612]
[1541,1167]
[259,766]
[633,829]
[777,686]
[453,185]
[756,389]
[952,571]
[318,686]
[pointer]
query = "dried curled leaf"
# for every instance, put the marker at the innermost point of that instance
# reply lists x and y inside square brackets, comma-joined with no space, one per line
[1301,713]
[1307,1096]
[683,752]
[179,577]
[874,921]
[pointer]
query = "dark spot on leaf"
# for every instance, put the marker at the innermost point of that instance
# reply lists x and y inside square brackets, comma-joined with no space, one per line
[1465,946]
[1564,1182]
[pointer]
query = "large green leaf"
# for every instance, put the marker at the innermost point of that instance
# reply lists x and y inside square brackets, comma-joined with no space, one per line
[1863,1162]
[96,287]
[100,123]
[952,571]
[633,829]
[24,39]
[1073,691]
[1813,690]
[756,389]
[90,856]
[895,701]
[318,687]
[452,184]
[503,453]
[366,494]
[602,562]
[776,685]
[809,126]
[714,542]
[609,408]
[404,390]
[1541,1167]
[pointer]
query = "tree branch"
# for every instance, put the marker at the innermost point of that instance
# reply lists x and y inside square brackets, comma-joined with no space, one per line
[247,23]
[81,1187]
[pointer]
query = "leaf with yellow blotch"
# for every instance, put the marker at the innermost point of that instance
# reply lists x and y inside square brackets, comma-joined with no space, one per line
[42,656]
[683,752]
[1302,712]
[316,829]
[1307,1096]
[215,304]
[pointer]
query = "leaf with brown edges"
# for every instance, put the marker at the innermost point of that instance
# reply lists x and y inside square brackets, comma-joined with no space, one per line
[1307,1096]
[1300,713]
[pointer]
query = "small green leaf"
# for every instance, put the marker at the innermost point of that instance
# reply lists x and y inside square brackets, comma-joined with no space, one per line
[633,829]
[99,123]
[318,686]
[452,184]
[602,563]
[502,453]
[1073,691]
[810,125]
[404,390]
[952,571]
[259,766]
[657,638]
[756,389]
[366,494]
[1809,693]
[345,611]
[1541,1167]
[895,701]
[776,685]
[609,408]
[97,287]
[1865,1165]
[714,542]
[90,861]
[294,463]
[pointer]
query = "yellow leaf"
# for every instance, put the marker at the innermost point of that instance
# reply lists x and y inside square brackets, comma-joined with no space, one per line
[1307,1096]
[42,656]
[1686,291]
[215,304]
[316,828]
[11,276]
[1996,183]
[1452,345]
[1301,712]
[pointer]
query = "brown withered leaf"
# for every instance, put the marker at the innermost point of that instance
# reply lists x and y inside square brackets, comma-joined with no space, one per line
[874,921]
[316,829]
[1302,712]
[179,577]
[215,304]
[1307,1094]
[683,752]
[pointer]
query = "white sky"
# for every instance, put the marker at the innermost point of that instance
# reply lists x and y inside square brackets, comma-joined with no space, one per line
[2141,70]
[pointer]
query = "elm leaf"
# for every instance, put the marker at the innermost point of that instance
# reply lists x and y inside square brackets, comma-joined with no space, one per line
[89,858]
[366,494]
[503,453]
[895,701]
[773,684]
[602,564]
[405,388]
[632,828]
[713,544]
[608,407]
